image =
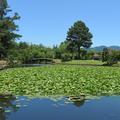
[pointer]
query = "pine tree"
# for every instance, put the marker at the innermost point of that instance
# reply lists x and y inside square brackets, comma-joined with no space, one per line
[79,36]
[8,28]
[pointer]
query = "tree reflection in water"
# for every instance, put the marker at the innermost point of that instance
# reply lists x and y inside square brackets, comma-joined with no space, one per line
[6,103]
[9,104]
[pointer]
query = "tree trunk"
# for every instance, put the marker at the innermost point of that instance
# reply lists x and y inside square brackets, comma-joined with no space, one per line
[79,52]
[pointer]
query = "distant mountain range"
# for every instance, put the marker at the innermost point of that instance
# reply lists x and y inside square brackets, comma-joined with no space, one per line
[100,48]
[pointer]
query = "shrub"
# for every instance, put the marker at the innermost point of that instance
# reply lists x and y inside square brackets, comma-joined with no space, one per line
[109,56]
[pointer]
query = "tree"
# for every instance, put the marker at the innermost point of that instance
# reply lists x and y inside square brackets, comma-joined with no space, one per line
[3,4]
[23,45]
[79,36]
[105,54]
[109,56]
[8,28]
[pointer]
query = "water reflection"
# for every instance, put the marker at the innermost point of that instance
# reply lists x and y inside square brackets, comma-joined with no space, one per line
[6,105]
[65,108]
[9,104]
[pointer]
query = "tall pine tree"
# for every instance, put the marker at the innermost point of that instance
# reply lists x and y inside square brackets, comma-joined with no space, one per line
[8,28]
[79,36]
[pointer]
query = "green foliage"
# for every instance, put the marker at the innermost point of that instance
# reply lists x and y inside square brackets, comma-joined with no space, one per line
[89,55]
[13,58]
[24,52]
[23,45]
[61,80]
[66,57]
[8,28]
[79,36]
[57,52]
[62,53]
[109,56]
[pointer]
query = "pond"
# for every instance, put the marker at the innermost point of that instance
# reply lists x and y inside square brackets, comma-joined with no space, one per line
[31,65]
[64,108]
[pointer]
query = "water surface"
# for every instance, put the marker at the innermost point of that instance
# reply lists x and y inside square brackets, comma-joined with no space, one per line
[23,108]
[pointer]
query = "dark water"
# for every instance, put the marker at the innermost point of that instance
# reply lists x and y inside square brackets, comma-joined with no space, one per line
[31,65]
[22,108]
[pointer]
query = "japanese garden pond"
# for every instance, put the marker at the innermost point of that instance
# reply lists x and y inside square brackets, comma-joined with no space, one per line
[60,108]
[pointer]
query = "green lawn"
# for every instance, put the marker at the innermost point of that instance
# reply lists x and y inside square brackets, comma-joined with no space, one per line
[85,62]
[61,80]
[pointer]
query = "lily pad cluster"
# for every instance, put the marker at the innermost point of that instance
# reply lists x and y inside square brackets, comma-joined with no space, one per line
[61,80]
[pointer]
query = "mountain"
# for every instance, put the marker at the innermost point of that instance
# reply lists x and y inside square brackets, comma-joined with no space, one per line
[115,47]
[100,48]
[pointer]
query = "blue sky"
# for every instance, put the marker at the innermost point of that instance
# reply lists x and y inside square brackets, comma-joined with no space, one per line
[47,21]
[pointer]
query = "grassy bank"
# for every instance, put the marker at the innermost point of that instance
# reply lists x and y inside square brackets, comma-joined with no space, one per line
[61,80]
[84,62]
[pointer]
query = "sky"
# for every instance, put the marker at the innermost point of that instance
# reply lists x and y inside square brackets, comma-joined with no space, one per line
[47,21]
